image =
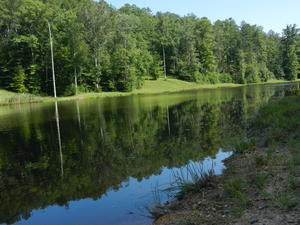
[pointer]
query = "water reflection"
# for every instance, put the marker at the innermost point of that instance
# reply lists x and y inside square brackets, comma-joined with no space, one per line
[109,149]
[59,140]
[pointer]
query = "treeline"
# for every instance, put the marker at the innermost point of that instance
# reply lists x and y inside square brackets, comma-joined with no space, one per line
[100,48]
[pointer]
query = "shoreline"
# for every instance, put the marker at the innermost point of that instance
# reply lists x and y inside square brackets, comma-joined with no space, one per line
[172,86]
[261,184]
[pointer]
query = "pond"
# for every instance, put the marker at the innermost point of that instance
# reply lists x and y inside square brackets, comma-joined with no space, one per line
[101,161]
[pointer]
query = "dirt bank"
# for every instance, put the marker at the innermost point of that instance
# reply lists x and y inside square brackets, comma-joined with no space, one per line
[259,187]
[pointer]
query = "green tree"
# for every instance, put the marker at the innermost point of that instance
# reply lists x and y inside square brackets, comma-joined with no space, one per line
[188,64]
[289,51]
[274,55]
[17,83]
[98,21]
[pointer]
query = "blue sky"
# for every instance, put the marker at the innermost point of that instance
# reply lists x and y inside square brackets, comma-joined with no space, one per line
[271,14]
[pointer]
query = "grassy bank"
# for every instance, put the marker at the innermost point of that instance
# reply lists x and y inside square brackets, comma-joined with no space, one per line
[150,87]
[262,182]
[10,98]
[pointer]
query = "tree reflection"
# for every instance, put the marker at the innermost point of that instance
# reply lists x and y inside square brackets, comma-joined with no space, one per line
[114,141]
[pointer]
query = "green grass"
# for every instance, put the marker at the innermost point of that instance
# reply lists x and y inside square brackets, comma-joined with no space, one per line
[9,98]
[259,179]
[150,87]
[236,189]
[278,124]
[159,86]
[285,201]
[192,178]
[243,146]
[175,85]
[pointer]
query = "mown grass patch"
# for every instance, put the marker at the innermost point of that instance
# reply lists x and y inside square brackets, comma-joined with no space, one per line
[150,87]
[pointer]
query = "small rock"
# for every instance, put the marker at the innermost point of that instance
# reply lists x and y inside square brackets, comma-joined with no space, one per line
[254,221]
[195,206]
[262,207]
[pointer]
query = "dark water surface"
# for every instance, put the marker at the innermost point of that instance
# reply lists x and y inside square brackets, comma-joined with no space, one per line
[98,161]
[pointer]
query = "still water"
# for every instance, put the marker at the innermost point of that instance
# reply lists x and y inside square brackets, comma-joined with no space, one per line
[99,161]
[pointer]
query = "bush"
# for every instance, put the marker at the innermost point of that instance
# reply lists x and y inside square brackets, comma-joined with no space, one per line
[215,78]
[252,74]
[70,90]
[225,78]
[18,80]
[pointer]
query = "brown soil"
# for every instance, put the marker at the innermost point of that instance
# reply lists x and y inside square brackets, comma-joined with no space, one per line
[271,200]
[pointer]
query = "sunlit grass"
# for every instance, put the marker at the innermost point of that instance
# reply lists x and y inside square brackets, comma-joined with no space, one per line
[160,86]
[9,98]
[174,85]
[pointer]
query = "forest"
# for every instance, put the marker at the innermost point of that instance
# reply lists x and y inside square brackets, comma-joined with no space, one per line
[97,47]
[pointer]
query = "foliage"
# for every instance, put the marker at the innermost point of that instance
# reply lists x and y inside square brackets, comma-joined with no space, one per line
[18,80]
[289,49]
[108,49]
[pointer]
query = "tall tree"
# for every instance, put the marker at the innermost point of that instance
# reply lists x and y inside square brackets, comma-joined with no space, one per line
[289,51]
[98,20]
[204,45]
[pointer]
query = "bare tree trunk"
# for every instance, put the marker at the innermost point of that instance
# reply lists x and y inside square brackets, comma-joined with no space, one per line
[46,71]
[59,140]
[78,115]
[168,118]
[101,119]
[52,60]
[164,57]
[97,71]
[75,80]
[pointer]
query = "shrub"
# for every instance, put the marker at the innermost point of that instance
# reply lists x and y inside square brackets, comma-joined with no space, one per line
[225,78]
[70,90]
[18,80]
[244,146]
